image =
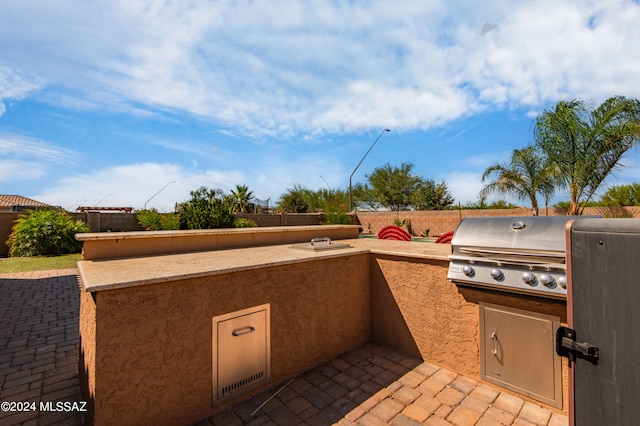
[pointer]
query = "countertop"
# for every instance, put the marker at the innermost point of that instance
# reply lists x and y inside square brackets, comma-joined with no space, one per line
[99,275]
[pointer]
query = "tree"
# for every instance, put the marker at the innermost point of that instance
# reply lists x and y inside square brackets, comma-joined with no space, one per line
[396,188]
[526,176]
[293,201]
[432,196]
[240,199]
[393,187]
[585,145]
[622,195]
[205,210]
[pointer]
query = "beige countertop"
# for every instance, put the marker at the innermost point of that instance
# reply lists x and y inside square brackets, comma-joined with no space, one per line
[99,275]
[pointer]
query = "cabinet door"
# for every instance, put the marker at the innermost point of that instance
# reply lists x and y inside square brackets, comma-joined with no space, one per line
[517,351]
[241,352]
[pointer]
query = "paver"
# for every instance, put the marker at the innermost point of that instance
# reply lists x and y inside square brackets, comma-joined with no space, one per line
[387,409]
[558,419]
[404,420]
[535,414]
[464,384]
[431,387]
[485,393]
[475,404]
[499,416]
[444,376]
[406,395]
[416,412]
[412,378]
[450,396]
[509,403]
[463,416]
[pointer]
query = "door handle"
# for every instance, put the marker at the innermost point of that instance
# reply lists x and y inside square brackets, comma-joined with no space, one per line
[494,339]
[243,330]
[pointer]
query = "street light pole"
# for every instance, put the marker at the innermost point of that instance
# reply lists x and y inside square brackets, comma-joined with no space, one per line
[325,181]
[354,170]
[162,189]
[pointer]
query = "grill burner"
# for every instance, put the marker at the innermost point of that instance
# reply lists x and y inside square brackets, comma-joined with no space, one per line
[516,254]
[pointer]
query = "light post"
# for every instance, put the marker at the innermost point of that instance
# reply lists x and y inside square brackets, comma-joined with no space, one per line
[98,203]
[325,181]
[354,170]
[161,189]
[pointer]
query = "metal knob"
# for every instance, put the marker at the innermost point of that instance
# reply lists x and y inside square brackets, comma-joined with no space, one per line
[468,271]
[529,278]
[496,274]
[547,280]
[562,281]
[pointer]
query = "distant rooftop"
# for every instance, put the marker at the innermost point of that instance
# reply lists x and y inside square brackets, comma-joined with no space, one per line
[18,202]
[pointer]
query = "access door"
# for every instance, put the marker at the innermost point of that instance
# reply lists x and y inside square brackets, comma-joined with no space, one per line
[517,352]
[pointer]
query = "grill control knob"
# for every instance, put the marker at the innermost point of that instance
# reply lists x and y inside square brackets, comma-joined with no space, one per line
[529,278]
[562,281]
[547,280]
[496,274]
[468,271]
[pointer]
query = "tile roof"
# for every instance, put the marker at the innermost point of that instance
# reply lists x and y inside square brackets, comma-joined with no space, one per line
[18,200]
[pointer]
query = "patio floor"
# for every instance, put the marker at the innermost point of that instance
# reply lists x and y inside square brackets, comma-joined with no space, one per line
[371,385]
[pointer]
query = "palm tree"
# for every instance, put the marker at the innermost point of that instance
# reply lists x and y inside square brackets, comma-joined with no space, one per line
[584,145]
[524,178]
[241,197]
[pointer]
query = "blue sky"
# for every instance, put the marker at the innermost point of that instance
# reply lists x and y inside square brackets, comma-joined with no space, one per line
[108,102]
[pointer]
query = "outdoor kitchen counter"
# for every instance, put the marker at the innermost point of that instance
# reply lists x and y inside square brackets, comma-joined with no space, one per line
[109,274]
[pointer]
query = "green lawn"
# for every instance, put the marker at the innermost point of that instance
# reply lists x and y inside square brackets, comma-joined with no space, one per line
[24,264]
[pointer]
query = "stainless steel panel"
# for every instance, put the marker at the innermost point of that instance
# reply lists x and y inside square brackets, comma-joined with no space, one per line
[517,351]
[511,279]
[512,233]
[240,351]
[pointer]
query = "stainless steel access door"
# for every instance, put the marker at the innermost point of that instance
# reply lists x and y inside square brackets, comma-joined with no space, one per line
[517,351]
[240,351]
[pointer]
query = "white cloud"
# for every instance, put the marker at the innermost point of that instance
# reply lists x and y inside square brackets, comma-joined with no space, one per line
[282,68]
[26,158]
[13,145]
[19,170]
[134,185]
[464,187]
[15,85]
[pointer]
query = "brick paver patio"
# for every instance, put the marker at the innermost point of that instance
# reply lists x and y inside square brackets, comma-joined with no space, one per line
[371,385]
[39,346]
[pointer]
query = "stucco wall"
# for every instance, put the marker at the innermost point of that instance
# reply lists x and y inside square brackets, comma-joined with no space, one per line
[153,356]
[147,349]
[415,308]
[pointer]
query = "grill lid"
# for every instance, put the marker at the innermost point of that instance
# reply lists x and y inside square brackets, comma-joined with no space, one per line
[525,235]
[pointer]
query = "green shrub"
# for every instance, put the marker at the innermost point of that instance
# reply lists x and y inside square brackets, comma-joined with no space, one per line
[205,210]
[151,220]
[334,211]
[45,232]
[244,223]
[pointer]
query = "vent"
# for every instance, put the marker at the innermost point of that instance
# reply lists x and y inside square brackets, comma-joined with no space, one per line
[239,385]
[240,351]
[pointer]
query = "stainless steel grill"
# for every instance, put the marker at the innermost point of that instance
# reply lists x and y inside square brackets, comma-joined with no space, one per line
[523,254]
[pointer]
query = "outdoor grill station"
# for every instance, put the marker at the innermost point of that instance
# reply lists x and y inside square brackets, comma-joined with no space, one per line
[590,263]
[535,305]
